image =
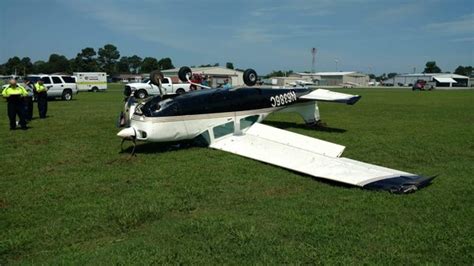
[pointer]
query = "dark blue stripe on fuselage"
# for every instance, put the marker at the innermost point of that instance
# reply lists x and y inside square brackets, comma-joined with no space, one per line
[223,100]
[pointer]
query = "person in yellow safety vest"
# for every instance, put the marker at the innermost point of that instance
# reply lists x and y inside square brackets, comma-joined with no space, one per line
[41,98]
[14,95]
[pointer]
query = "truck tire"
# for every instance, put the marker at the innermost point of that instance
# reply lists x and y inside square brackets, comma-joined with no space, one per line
[180,91]
[127,91]
[250,77]
[155,77]
[95,89]
[67,95]
[141,94]
[184,74]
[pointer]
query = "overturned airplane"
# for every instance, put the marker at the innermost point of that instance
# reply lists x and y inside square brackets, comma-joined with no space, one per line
[229,120]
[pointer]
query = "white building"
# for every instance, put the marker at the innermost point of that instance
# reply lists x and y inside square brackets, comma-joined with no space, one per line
[217,75]
[439,80]
[338,78]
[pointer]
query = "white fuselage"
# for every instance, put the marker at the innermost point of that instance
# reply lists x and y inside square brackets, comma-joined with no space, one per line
[176,128]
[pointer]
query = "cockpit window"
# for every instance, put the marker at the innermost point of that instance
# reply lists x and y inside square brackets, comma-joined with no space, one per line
[162,104]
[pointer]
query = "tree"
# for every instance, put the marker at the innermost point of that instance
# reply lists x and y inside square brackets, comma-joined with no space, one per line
[464,70]
[40,67]
[372,76]
[165,63]
[279,73]
[229,65]
[108,56]
[86,60]
[13,65]
[134,63]
[391,75]
[149,64]
[123,66]
[57,63]
[431,67]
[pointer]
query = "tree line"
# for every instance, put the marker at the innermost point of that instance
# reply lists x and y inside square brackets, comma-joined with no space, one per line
[106,59]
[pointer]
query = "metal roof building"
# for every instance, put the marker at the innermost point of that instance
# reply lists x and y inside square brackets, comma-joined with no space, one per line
[440,80]
[217,75]
[339,78]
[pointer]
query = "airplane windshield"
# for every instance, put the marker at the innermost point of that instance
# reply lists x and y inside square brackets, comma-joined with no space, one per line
[162,104]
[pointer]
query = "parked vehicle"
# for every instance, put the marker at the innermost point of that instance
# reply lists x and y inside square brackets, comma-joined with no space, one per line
[91,81]
[58,86]
[146,88]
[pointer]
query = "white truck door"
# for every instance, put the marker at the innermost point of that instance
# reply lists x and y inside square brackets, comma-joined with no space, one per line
[167,86]
[57,86]
[47,82]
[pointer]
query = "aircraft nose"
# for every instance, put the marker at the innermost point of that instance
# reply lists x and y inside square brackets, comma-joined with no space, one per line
[127,133]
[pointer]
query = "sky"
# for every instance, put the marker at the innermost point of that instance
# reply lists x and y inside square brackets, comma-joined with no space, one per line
[371,36]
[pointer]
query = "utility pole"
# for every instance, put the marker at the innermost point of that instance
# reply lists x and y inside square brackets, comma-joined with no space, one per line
[313,62]
[337,62]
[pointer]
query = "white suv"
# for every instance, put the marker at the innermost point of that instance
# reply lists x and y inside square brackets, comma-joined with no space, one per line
[58,86]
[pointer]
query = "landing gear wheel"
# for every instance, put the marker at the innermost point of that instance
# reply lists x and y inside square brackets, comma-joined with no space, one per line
[185,74]
[155,77]
[250,77]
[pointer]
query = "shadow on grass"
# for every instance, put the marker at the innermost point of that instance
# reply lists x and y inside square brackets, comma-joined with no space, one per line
[285,125]
[156,148]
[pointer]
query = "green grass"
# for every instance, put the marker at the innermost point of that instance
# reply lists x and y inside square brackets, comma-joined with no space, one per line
[68,196]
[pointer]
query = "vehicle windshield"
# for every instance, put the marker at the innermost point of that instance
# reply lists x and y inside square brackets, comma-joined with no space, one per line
[33,79]
[145,80]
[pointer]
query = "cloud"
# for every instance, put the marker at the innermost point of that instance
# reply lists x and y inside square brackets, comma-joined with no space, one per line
[464,24]
[303,8]
[141,23]
[466,39]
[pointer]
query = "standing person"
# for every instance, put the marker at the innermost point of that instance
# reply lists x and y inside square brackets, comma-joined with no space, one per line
[227,84]
[42,98]
[29,101]
[14,95]
[205,82]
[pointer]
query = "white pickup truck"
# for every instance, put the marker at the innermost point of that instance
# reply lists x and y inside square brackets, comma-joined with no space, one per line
[145,88]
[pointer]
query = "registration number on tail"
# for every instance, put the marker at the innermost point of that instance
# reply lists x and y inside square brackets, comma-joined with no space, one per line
[283,99]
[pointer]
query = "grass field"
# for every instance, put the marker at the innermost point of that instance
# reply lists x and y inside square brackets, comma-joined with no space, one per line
[68,196]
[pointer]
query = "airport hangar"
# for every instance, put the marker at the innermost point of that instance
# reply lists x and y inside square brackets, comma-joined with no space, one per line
[441,80]
[324,78]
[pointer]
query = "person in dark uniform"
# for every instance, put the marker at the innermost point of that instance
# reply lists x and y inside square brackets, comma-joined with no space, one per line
[15,97]
[42,98]
[29,101]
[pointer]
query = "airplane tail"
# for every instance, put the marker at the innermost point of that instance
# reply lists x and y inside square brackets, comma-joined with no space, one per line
[308,108]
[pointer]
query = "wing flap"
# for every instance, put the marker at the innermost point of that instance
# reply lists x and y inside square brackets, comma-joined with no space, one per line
[296,140]
[259,144]
[331,96]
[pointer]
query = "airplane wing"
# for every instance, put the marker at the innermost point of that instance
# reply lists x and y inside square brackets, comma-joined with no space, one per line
[331,96]
[316,158]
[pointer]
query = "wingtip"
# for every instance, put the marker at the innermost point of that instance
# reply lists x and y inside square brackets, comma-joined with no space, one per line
[354,100]
[401,184]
